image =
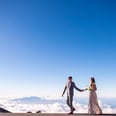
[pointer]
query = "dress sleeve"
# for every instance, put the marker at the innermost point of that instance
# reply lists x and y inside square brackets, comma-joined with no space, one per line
[94,88]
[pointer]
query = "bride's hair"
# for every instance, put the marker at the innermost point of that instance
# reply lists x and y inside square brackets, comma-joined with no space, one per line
[93,79]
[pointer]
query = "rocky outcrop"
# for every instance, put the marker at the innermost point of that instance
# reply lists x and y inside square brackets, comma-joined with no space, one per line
[2,110]
[38,111]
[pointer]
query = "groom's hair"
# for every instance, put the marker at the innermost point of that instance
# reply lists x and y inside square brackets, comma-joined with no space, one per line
[70,77]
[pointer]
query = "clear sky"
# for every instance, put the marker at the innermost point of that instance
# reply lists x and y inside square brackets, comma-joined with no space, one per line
[42,42]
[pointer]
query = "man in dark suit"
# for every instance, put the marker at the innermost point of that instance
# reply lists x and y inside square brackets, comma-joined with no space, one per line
[70,93]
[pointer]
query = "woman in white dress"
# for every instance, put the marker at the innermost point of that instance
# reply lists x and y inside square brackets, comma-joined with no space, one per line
[93,107]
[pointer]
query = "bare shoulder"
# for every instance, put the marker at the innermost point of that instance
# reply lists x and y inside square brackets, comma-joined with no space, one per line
[94,86]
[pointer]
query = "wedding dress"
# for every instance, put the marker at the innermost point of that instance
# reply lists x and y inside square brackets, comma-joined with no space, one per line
[93,107]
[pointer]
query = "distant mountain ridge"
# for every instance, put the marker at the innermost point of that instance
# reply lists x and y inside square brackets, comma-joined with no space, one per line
[27,100]
[36,100]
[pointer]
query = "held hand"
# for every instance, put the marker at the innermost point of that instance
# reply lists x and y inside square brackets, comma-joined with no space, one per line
[89,89]
[85,89]
[82,91]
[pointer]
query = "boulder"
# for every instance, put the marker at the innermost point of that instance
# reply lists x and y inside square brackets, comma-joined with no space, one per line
[38,111]
[2,110]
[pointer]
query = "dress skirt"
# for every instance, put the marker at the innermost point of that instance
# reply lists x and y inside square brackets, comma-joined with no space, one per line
[93,107]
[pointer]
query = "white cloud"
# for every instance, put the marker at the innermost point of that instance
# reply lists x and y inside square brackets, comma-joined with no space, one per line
[51,106]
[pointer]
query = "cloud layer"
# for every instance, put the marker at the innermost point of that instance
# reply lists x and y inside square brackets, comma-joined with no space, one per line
[34,104]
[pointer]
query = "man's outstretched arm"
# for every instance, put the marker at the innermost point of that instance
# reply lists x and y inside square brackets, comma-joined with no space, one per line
[78,88]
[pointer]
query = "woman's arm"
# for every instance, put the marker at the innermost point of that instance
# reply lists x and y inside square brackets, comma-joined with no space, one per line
[94,87]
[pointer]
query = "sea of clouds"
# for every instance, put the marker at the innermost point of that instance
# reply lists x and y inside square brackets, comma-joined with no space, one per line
[46,105]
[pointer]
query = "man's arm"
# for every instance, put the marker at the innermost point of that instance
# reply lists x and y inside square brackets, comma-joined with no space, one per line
[77,88]
[64,90]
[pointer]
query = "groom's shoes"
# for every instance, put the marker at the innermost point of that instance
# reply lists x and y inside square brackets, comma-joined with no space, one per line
[73,109]
[70,113]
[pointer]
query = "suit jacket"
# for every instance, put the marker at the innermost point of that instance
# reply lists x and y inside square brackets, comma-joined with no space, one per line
[71,89]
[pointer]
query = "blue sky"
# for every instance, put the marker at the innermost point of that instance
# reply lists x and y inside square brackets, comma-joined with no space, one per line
[42,42]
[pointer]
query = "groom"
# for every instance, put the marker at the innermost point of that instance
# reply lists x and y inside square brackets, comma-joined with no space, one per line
[70,93]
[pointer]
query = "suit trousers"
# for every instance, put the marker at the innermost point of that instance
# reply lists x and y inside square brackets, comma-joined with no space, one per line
[70,102]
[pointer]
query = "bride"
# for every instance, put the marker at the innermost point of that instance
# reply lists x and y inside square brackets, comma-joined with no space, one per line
[93,107]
